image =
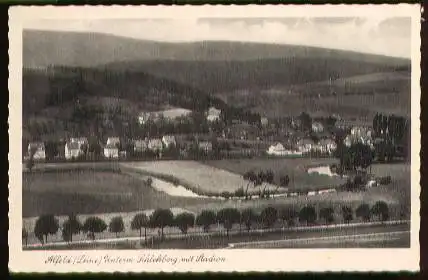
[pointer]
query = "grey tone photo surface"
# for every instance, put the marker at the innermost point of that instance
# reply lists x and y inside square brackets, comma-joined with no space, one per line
[216,133]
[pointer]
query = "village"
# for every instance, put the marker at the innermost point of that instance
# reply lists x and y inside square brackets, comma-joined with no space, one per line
[296,137]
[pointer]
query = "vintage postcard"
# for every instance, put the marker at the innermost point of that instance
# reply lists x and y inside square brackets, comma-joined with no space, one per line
[214,138]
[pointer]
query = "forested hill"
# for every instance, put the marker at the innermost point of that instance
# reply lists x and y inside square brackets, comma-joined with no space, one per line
[56,86]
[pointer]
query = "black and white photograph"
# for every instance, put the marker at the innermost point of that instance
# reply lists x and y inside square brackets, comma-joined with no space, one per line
[216,133]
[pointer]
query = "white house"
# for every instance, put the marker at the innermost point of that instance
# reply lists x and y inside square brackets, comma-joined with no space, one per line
[140,145]
[155,144]
[72,150]
[38,148]
[317,127]
[168,141]
[213,114]
[73,147]
[113,141]
[111,151]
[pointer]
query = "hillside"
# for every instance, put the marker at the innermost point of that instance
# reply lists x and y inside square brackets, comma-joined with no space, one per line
[44,48]
[266,78]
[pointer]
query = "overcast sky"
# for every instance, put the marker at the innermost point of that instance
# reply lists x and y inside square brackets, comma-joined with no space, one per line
[387,36]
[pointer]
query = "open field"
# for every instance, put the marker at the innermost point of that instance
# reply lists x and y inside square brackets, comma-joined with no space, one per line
[79,190]
[200,178]
[295,168]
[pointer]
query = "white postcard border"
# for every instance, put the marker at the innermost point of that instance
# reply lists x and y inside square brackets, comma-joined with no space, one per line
[291,260]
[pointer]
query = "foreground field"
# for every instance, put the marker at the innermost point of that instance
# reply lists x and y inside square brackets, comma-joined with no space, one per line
[81,190]
[295,168]
[200,178]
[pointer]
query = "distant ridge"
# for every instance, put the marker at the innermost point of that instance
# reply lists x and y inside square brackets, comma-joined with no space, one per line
[43,48]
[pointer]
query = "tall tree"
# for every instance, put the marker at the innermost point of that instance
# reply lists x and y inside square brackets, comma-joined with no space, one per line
[205,219]
[70,227]
[184,220]
[248,217]
[268,179]
[161,218]
[46,225]
[25,236]
[269,216]
[140,221]
[288,215]
[116,225]
[93,225]
[228,217]
[250,177]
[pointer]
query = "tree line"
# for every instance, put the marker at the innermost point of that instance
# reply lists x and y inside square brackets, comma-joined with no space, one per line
[228,217]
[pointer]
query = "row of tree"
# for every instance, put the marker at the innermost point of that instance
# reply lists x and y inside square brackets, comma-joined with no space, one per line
[48,224]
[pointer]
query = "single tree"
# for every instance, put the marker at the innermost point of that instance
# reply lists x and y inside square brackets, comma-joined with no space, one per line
[25,236]
[283,182]
[248,217]
[30,162]
[347,214]
[288,215]
[116,225]
[205,219]
[45,225]
[269,216]
[94,225]
[140,221]
[268,179]
[161,218]
[327,214]
[380,209]
[308,215]
[250,177]
[70,227]
[184,220]
[228,217]
[363,212]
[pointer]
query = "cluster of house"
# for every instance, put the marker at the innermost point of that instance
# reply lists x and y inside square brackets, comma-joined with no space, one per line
[303,146]
[77,147]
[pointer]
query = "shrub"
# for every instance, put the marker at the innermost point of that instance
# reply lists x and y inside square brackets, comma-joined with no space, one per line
[385,180]
[327,214]
[363,212]
[308,215]
[380,209]
[347,214]
[239,192]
